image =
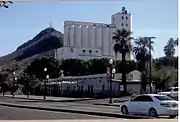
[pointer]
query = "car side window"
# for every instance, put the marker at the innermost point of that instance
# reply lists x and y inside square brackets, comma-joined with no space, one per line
[147,99]
[138,98]
[176,89]
[143,99]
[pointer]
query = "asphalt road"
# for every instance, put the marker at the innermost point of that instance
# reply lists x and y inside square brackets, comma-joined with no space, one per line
[10,113]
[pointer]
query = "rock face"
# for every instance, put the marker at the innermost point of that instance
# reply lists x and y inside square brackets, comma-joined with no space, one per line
[43,44]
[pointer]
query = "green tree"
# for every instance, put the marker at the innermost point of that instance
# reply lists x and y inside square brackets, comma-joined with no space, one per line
[29,83]
[176,42]
[122,45]
[4,82]
[164,77]
[164,61]
[169,50]
[130,66]
[97,66]
[74,67]
[5,4]
[141,53]
[37,68]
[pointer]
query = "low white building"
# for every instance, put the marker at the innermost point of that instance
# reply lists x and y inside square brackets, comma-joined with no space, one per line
[87,40]
[96,84]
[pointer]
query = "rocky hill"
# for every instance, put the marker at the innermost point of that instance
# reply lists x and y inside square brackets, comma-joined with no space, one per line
[43,44]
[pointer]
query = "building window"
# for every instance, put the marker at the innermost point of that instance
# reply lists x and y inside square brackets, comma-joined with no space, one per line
[71,49]
[122,24]
[126,17]
[126,25]
[122,17]
[88,88]
[82,88]
[103,87]
[90,51]
[96,51]
[113,18]
[92,88]
[84,51]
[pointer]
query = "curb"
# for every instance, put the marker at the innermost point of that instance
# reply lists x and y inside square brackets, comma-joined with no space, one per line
[106,104]
[46,100]
[78,111]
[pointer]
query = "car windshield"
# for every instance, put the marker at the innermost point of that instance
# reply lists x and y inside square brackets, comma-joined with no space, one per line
[163,98]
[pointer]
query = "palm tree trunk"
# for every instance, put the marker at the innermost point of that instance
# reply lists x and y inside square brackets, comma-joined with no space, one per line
[115,55]
[143,77]
[124,73]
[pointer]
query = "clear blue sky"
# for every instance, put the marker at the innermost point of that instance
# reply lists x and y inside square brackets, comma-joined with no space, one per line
[23,20]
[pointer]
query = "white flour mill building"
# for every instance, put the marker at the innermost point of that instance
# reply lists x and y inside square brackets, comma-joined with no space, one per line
[88,40]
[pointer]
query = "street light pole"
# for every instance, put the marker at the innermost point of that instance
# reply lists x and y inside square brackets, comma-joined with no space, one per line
[150,61]
[61,77]
[111,73]
[14,78]
[45,70]
[110,100]
[150,65]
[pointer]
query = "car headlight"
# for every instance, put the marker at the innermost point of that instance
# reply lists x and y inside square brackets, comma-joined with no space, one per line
[165,105]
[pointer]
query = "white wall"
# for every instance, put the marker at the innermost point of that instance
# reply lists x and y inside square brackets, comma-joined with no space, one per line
[94,37]
[99,37]
[73,53]
[92,34]
[78,36]
[72,35]
[97,81]
[105,44]
[66,35]
[121,21]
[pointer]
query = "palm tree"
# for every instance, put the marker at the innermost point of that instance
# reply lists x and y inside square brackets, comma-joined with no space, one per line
[176,42]
[142,52]
[4,4]
[169,49]
[122,45]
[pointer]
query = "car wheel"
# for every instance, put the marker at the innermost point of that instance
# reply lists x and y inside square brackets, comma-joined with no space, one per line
[152,112]
[172,116]
[124,110]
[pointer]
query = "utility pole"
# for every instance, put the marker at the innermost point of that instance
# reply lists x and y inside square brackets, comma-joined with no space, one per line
[150,61]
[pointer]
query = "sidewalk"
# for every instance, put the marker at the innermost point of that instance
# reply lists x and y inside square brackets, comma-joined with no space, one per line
[48,98]
[93,101]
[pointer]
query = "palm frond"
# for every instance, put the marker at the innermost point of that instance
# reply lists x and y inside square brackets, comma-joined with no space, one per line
[122,39]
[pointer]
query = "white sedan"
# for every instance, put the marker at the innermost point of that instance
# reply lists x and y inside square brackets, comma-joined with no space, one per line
[172,92]
[153,105]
